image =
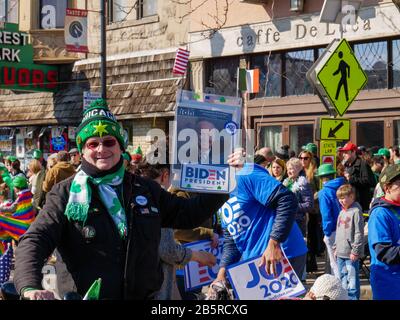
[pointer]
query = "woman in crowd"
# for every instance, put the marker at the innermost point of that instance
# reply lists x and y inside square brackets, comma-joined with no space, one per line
[278,169]
[394,155]
[314,228]
[299,185]
[34,168]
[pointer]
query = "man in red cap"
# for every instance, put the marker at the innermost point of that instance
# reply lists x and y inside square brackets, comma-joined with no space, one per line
[358,173]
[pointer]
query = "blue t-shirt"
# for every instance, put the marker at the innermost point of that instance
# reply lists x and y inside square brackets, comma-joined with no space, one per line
[384,227]
[248,219]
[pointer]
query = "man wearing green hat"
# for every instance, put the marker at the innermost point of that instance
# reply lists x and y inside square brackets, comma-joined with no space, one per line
[104,221]
[385,154]
[384,237]
[329,207]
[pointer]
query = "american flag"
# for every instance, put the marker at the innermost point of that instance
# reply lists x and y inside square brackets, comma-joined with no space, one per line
[286,266]
[5,264]
[181,61]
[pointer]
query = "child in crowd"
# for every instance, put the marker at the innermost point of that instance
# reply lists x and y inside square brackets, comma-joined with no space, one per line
[349,240]
[18,215]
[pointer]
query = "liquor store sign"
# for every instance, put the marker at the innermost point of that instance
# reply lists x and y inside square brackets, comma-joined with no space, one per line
[17,69]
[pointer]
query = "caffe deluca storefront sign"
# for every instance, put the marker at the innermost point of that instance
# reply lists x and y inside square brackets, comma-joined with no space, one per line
[17,69]
[295,32]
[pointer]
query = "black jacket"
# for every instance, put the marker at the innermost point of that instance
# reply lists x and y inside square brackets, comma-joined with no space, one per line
[130,269]
[362,179]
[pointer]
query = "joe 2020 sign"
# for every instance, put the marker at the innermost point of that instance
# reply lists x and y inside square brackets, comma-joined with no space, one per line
[251,282]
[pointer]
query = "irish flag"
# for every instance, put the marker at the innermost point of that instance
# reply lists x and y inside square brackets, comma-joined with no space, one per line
[249,80]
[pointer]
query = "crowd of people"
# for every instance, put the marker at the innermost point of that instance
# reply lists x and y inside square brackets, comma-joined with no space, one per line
[105,213]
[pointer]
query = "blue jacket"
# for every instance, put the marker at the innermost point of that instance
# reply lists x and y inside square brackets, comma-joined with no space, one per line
[384,246]
[260,208]
[329,205]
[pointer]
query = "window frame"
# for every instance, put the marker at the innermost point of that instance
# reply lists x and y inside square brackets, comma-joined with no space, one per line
[6,17]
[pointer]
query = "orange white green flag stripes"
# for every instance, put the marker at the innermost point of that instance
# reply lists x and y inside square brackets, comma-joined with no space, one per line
[249,80]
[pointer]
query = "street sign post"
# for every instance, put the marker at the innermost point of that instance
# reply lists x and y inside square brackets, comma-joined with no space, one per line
[334,129]
[338,77]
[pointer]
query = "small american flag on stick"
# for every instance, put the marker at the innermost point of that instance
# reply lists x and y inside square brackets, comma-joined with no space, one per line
[5,264]
[181,61]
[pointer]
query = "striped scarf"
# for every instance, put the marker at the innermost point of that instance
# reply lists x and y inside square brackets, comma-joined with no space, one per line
[14,226]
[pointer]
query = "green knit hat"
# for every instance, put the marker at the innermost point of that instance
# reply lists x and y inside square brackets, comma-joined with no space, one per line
[98,121]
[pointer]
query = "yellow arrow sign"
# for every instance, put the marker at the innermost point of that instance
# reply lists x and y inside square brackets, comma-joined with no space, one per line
[334,129]
[342,77]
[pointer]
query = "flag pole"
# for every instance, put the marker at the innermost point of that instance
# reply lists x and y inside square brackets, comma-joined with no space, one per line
[237,82]
[103,63]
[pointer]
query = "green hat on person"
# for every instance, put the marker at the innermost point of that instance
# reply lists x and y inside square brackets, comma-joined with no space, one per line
[383,152]
[20,182]
[37,154]
[311,147]
[389,174]
[12,158]
[325,169]
[98,121]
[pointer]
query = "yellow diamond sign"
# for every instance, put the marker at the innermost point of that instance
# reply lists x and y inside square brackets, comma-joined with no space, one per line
[342,77]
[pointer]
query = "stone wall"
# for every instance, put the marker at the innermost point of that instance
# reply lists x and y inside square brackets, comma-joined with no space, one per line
[163,30]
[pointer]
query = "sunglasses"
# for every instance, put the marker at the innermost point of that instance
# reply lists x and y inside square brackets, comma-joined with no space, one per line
[107,143]
[304,158]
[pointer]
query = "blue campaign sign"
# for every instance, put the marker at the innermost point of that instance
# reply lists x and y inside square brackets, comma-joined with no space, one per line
[251,282]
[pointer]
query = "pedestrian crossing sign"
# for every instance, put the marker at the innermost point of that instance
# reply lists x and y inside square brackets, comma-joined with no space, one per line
[342,77]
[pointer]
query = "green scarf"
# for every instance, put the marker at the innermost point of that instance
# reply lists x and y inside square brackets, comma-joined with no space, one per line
[80,195]
[289,184]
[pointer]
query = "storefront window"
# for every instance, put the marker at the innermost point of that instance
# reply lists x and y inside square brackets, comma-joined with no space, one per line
[370,134]
[9,11]
[5,141]
[396,126]
[222,76]
[297,64]
[373,59]
[270,75]
[396,63]
[146,8]
[270,136]
[300,135]
[120,9]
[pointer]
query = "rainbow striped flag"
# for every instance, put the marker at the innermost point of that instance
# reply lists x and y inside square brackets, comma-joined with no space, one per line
[15,225]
